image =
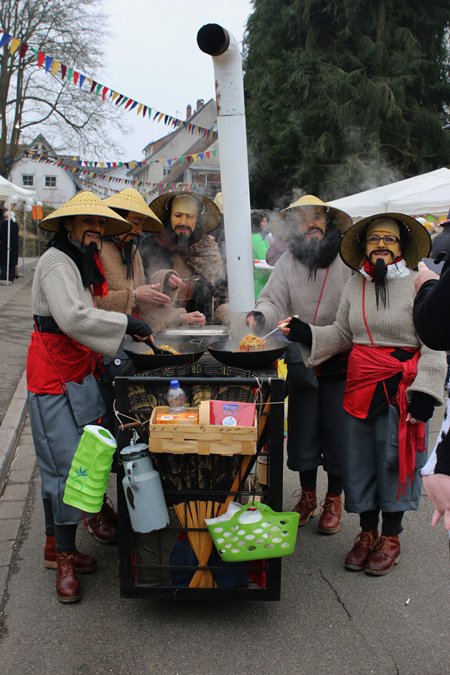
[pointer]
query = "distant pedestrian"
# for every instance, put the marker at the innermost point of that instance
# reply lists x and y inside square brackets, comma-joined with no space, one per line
[9,246]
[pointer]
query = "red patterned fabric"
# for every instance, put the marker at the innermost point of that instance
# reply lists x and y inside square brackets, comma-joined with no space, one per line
[366,367]
[54,358]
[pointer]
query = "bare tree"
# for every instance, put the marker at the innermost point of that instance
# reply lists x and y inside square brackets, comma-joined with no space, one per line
[34,101]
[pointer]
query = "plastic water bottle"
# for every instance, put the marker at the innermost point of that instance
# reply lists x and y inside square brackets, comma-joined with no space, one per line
[176,398]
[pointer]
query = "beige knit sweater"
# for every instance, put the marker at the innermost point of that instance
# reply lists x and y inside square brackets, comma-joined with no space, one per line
[291,291]
[390,327]
[58,292]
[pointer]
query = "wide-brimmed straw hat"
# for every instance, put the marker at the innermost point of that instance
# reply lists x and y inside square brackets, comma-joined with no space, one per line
[208,213]
[131,200]
[341,219]
[86,203]
[416,242]
[218,201]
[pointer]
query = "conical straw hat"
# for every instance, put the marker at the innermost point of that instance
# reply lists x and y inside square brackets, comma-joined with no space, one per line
[341,219]
[131,200]
[417,243]
[86,203]
[208,213]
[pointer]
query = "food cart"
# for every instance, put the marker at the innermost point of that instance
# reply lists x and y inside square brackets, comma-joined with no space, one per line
[179,561]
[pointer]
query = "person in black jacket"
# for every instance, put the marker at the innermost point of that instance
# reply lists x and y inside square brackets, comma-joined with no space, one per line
[432,306]
[432,323]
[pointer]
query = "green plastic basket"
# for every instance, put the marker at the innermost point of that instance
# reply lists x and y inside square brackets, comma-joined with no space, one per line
[273,536]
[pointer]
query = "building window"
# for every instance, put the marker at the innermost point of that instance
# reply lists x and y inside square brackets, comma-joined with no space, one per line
[50,181]
[166,170]
[27,180]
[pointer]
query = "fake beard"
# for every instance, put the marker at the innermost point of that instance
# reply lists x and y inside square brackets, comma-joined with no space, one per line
[379,279]
[316,253]
[91,273]
[183,240]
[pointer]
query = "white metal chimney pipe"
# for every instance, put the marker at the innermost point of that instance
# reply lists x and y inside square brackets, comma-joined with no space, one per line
[222,46]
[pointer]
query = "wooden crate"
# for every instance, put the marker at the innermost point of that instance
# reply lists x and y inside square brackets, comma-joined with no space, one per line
[202,438]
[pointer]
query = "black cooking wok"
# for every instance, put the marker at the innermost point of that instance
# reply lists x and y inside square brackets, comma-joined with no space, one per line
[189,353]
[227,352]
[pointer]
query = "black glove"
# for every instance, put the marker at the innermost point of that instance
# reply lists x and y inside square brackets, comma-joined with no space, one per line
[299,332]
[421,406]
[137,327]
[259,319]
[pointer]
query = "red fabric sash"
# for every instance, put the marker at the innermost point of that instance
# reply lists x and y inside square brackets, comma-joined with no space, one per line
[100,289]
[366,367]
[54,358]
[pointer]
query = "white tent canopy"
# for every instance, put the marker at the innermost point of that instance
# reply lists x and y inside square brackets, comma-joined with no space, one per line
[426,193]
[8,190]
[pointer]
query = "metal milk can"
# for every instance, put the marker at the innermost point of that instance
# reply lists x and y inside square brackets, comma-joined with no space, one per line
[143,490]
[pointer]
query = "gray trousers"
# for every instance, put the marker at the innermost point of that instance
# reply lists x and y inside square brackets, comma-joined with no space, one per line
[370,467]
[55,437]
[316,425]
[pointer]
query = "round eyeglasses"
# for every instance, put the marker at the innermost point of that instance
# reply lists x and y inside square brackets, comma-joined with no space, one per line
[387,238]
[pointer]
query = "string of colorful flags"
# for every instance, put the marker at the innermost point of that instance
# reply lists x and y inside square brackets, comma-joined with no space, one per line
[69,74]
[169,161]
[94,174]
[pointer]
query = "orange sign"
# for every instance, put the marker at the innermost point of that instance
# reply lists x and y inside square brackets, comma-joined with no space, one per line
[36,212]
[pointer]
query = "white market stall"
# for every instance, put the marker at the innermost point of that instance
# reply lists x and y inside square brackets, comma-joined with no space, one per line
[425,193]
[13,193]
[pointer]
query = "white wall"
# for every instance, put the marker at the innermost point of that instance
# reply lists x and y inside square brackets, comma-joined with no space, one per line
[65,187]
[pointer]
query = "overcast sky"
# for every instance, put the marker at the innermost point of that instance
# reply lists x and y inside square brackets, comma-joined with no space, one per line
[154,58]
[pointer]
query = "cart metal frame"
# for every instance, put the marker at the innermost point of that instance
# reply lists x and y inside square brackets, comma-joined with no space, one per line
[130,587]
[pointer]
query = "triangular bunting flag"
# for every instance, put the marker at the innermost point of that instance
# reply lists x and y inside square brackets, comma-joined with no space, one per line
[15,42]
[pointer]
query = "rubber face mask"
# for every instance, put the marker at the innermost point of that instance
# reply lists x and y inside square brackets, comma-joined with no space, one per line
[311,221]
[184,214]
[383,241]
[87,229]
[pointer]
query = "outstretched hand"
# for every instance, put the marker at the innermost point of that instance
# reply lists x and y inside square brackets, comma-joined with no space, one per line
[150,293]
[423,275]
[438,489]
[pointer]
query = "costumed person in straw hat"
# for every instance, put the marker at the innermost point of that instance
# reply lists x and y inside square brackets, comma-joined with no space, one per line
[431,319]
[185,246]
[127,293]
[70,333]
[308,280]
[124,270]
[393,381]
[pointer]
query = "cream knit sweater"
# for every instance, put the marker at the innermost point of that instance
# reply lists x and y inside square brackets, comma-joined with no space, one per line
[58,292]
[290,291]
[390,327]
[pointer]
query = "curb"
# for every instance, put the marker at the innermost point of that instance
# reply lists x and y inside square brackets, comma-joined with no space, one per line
[11,428]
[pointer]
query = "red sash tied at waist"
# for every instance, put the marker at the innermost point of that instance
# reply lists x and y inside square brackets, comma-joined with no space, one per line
[366,367]
[55,358]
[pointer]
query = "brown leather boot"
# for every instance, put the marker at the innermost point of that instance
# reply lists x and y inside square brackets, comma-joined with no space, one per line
[67,582]
[331,516]
[84,564]
[103,526]
[306,506]
[384,555]
[356,558]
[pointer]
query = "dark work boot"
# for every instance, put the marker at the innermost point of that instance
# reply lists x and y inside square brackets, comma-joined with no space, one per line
[306,506]
[67,582]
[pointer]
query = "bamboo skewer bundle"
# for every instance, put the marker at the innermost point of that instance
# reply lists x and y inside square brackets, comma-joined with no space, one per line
[192,516]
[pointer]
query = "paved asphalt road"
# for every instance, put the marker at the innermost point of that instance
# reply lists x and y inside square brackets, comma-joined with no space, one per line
[328,621]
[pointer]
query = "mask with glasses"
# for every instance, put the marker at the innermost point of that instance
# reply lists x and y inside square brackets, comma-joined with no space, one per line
[388,239]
